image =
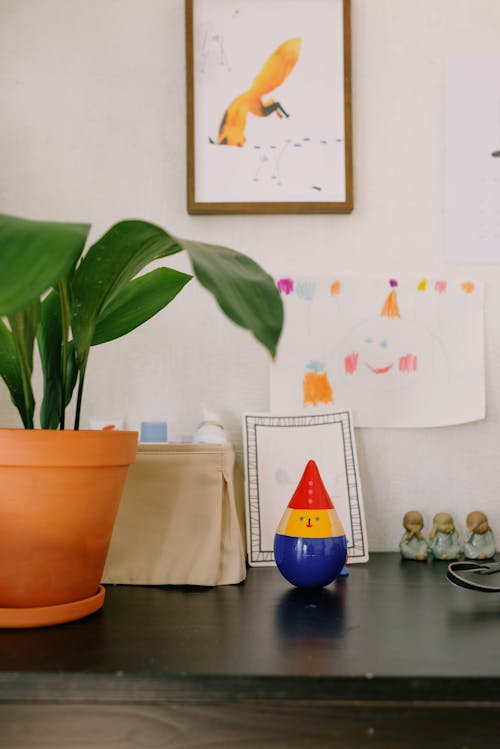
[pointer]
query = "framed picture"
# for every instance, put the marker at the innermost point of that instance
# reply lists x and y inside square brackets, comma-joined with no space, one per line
[276,450]
[268,106]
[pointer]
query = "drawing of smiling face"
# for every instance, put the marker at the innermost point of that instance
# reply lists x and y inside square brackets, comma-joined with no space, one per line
[382,353]
[377,355]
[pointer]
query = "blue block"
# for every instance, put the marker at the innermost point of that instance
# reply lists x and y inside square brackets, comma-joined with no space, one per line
[153,431]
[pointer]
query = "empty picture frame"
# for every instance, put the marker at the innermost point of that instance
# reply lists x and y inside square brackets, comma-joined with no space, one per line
[276,450]
[268,106]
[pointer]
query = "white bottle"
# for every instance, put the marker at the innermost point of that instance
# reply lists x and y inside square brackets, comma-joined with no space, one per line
[210,431]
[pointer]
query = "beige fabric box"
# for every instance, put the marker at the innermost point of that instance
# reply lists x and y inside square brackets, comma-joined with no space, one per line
[181,519]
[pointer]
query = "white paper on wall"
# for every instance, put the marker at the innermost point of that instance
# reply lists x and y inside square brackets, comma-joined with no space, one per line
[472,170]
[277,450]
[405,352]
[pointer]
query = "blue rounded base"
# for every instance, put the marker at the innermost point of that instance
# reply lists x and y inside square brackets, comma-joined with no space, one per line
[310,562]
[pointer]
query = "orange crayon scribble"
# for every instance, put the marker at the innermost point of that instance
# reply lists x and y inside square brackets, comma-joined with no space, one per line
[335,288]
[108,427]
[468,287]
[317,389]
[390,308]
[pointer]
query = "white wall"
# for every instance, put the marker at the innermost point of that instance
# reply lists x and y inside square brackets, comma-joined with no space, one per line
[92,127]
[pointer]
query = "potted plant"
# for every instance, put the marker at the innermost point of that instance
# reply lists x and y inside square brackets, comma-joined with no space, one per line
[60,487]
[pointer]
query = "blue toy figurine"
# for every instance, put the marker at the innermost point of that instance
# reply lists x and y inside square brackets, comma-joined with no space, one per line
[443,538]
[479,542]
[310,547]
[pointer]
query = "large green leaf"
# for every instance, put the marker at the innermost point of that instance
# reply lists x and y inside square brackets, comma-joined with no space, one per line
[34,256]
[140,300]
[50,346]
[108,266]
[10,371]
[24,325]
[243,290]
[49,339]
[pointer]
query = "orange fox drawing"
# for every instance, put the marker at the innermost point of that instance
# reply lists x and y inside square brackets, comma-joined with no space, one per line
[276,69]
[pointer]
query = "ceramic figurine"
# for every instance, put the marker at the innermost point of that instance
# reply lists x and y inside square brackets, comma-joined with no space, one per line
[413,545]
[479,541]
[211,430]
[443,538]
[310,547]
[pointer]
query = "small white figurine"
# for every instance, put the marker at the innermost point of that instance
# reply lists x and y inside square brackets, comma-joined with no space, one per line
[444,537]
[413,545]
[479,542]
[211,430]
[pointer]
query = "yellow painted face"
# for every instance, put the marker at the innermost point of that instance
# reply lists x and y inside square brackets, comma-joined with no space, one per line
[310,524]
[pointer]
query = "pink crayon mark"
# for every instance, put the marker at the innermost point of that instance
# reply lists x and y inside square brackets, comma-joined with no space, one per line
[440,286]
[285,285]
[408,363]
[351,363]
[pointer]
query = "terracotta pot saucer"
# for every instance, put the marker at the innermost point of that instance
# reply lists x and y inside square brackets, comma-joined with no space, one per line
[44,616]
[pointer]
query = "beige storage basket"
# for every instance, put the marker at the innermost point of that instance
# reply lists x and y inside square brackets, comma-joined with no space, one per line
[181,519]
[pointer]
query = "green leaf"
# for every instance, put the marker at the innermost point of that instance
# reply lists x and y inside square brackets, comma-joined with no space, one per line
[10,371]
[24,325]
[243,290]
[140,300]
[107,268]
[34,256]
[49,339]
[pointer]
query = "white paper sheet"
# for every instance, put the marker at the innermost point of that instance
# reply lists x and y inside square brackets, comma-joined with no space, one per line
[277,450]
[472,204]
[405,352]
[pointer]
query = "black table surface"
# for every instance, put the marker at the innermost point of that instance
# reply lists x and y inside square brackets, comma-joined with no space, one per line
[391,630]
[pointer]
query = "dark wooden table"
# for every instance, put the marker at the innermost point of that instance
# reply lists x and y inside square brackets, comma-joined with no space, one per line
[392,656]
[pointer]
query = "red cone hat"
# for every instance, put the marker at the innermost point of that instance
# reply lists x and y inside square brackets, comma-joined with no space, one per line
[310,493]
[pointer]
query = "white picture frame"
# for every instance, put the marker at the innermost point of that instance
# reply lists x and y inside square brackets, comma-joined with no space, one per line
[276,451]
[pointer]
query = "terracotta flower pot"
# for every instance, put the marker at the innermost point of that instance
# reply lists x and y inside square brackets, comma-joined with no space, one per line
[59,494]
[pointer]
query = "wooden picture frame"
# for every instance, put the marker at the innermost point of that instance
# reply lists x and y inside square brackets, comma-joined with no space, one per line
[246,152]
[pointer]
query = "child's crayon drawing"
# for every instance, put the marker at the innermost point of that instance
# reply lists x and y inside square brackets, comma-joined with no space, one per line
[400,352]
[262,132]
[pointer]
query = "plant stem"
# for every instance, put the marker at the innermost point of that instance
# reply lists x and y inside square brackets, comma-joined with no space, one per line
[81,378]
[27,392]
